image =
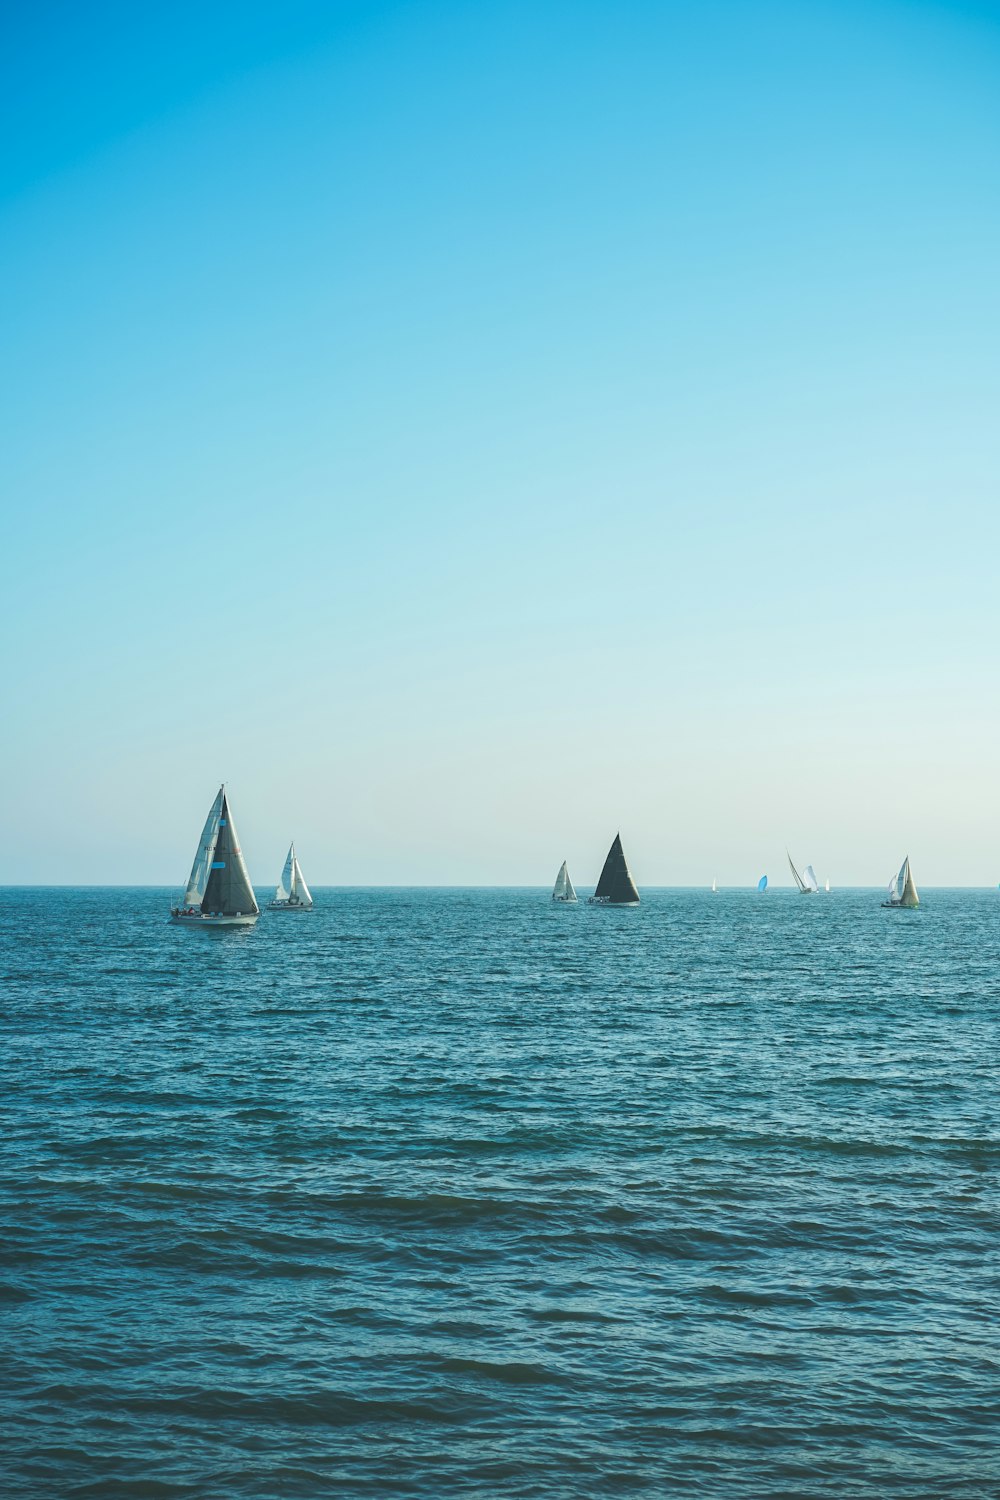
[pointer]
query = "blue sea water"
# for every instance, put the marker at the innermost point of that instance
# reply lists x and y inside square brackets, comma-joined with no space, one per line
[462,1193]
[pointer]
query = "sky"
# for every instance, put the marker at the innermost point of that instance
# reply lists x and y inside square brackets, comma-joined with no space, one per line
[469,430]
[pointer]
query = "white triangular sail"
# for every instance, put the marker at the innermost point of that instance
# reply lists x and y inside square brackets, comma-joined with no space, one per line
[563,888]
[902,890]
[291,889]
[206,852]
[299,887]
[904,870]
[284,886]
[809,877]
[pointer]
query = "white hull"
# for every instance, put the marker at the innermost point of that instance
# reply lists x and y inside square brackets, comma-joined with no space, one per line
[197,920]
[289,906]
[603,901]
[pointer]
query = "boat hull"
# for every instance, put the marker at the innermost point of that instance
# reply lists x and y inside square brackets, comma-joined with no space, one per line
[241,919]
[565,900]
[603,901]
[288,906]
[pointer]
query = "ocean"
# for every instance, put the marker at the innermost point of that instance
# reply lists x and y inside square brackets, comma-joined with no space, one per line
[462,1193]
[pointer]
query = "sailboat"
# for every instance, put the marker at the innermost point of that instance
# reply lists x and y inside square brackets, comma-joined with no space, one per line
[807,883]
[616,886]
[715,885]
[219,893]
[563,888]
[762,884]
[292,893]
[828,885]
[902,891]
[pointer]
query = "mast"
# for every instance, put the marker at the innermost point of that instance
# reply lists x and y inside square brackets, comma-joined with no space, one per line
[798,878]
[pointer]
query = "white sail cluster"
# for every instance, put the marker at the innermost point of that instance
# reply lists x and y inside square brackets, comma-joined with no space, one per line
[807,883]
[563,888]
[902,891]
[292,893]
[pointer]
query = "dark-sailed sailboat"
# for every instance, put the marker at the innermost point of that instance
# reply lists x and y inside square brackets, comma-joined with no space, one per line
[219,893]
[616,886]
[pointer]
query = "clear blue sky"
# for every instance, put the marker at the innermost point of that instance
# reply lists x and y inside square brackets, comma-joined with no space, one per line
[472,429]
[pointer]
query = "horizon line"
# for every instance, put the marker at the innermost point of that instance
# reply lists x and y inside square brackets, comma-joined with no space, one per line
[98,885]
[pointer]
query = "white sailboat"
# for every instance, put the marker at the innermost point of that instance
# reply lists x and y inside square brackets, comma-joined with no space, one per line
[807,883]
[828,885]
[902,891]
[715,885]
[292,893]
[219,893]
[563,888]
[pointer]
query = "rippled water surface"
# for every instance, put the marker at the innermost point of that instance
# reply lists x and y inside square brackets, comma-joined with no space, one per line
[450,1193]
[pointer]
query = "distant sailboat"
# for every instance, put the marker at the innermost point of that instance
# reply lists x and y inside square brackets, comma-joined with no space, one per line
[828,885]
[616,886]
[807,883]
[219,893]
[902,891]
[715,885]
[762,884]
[563,888]
[292,893]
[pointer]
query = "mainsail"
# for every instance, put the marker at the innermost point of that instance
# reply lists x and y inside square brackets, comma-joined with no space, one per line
[228,891]
[902,891]
[762,884]
[206,853]
[291,888]
[563,888]
[284,887]
[616,886]
[299,887]
[806,882]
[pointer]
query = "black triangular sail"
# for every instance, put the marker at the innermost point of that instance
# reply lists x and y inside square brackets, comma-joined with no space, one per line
[228,891]
[616,885]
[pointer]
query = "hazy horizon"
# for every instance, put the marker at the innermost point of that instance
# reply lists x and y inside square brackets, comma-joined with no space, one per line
[474,431]
[262,885]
